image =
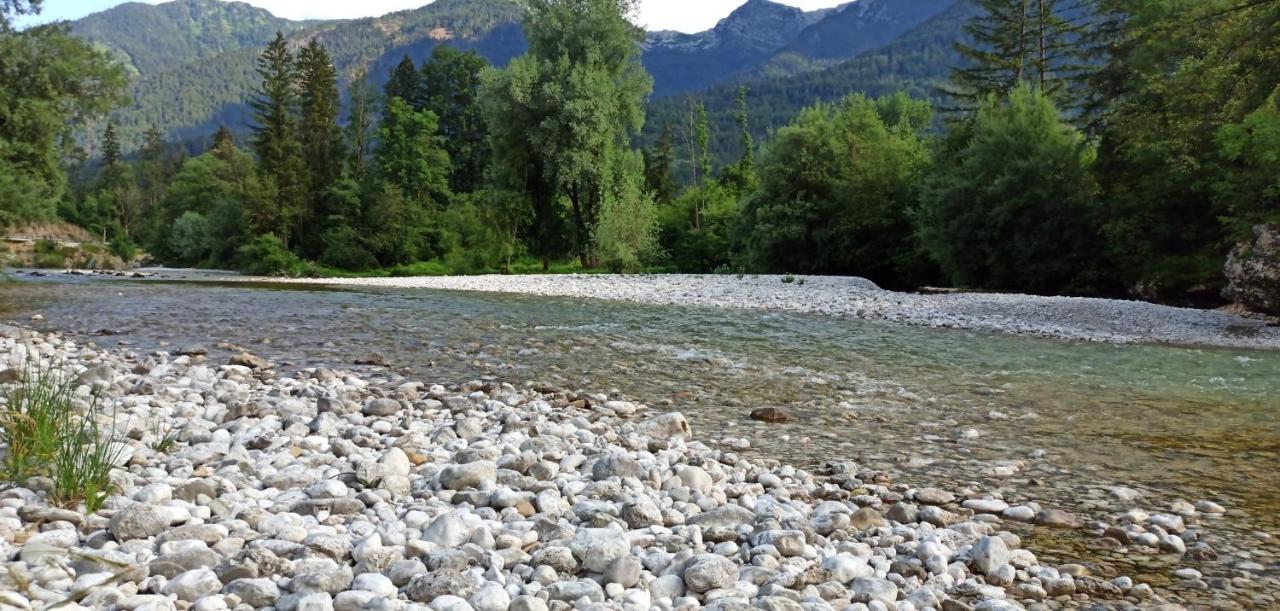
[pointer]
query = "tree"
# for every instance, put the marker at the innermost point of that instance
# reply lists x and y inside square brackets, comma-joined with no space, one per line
[699,154]
[404,83]
[1170,108]
[221,187]
[11,8]
[1015,41]
[626,234]
[1012,205]
[835,189]
[359,128]
[742,175]
[578,92]
[110,146]
[413,172]
[54,83]
[451,82]
[320,137]
[657,169]
[276,141]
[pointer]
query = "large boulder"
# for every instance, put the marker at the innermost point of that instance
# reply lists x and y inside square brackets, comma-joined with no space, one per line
[1253,271]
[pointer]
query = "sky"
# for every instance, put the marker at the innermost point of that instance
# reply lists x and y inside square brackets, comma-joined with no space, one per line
[682,15]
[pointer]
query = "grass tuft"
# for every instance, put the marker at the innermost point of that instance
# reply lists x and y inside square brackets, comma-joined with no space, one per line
[43,434]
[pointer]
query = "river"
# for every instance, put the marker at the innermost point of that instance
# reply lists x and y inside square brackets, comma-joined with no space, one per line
[1038,420]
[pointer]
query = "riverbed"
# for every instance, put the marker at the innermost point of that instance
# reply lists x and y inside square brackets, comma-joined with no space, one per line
[1052,421]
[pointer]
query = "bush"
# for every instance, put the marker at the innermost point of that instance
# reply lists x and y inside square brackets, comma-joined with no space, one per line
[44,435]
[189,238]
[124,247]
[267,256]
[1012,204]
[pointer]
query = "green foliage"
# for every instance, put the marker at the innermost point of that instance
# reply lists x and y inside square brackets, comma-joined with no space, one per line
[320,138]
[266,255]
[50,83]
[190,239]
[1011,203]
[411,156]
[451,86]
[658,161]
[276,142]
[1016,41]
[836,185]
[1248,190]
[626,233]
[480,232]
[696,230]
[562,107]
[1180,110]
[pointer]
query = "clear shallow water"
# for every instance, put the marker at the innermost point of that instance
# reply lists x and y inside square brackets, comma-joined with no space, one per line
[1172,422]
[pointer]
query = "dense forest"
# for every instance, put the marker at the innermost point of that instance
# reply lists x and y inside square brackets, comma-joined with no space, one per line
[1114,147]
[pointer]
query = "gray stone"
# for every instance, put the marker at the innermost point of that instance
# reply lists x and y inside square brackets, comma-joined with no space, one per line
[869,589]
[257,592]
[468,475]
[427,587]
[138,521]
[598,547]
[570,591]
[193,585]
[624,571]
[989,554]
[1253,271]
[725,516]
[707,572]
[448,530]
[381,407]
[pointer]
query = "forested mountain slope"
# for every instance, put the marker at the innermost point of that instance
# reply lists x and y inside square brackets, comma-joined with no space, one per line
[917,62]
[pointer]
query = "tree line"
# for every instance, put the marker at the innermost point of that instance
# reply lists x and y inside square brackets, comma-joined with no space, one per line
[1100,147]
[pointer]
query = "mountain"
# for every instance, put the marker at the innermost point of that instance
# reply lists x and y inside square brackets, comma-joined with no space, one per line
[749,35]
[194,70]
[149,38]
[193,60]
[850,31]
[916,62]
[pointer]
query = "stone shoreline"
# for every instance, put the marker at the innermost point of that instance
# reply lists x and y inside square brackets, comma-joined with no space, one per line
[322,489]
[1070,318]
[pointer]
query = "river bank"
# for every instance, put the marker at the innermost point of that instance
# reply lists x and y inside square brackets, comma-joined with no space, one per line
[324,488]
[1070,318]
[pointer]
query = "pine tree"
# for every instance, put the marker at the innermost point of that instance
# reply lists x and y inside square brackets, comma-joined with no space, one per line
[320,137]
[223,141]
[275,141]
[110,146]
[405,83]
[657,169]
[451,82]
[360,123]
[742,174]
[1015,41]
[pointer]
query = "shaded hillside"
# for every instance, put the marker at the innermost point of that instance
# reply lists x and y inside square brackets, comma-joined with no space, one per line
[190,100]
[150,38]
[917,63]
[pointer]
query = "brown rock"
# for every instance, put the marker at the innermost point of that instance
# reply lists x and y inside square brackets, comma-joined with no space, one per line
[773,415]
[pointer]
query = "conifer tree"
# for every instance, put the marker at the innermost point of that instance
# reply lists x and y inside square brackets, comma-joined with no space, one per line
[110,146]
[657,169]
[320,137]
[1015,41]
[451,84]
[276,142]
[359,126]
[405,83]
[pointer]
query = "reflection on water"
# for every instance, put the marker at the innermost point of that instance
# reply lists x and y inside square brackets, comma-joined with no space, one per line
[949,407]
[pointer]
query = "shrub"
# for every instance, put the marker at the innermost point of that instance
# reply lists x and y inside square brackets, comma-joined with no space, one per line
[267,256]
[189,238]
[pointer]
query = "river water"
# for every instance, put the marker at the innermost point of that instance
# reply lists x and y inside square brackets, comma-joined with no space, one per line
[1035,420]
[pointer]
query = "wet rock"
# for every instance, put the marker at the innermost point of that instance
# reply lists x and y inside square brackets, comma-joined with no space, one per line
[1057,518]
[1253,271]
[245,359]
[774,415]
